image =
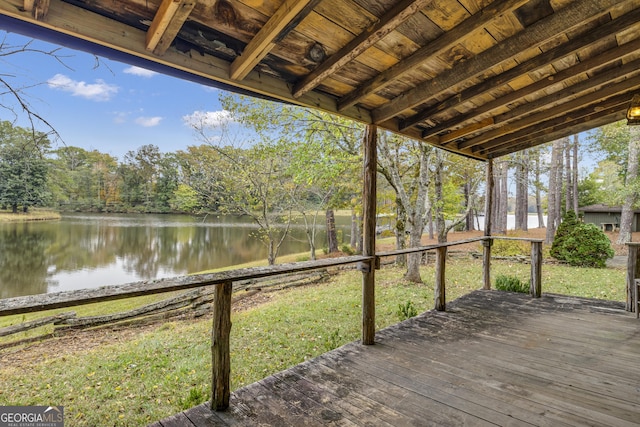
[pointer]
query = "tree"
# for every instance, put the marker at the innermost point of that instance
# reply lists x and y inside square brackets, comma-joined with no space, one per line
[632,190]
[554,194]
[406,167]
[23,167]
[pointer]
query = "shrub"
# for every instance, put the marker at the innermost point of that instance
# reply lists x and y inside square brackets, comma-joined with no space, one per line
[565,229]
[347,249]
[405,311]
[510,248]
[511,284]
[586,246]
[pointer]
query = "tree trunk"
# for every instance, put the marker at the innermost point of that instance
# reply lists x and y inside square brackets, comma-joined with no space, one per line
[538,195]
[401,229]
[568,194]
[332,236]
[468,221]
[355,230]
[554,196]
[626,218]
[522,193]
[14,208]
[440,224]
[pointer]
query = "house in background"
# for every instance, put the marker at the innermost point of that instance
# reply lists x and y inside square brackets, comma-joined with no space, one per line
[607,217]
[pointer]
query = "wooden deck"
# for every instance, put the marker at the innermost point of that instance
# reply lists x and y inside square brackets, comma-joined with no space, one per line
[493,358]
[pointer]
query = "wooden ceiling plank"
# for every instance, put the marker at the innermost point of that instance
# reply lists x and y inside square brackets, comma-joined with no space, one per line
[569,48]
[435,47]
[82,24]
[265,39]
[167,23]
[562,130]
[613,104]
[452,136]
[562,109]
[540,32]
[583,67]
[399,13]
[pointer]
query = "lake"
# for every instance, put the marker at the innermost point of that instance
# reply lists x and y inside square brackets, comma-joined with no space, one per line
[91,250]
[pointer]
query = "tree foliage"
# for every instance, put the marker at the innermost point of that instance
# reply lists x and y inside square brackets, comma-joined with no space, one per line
[565,229]
[586,246]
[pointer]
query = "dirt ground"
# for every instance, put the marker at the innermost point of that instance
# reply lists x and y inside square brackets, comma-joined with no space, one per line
[85,340]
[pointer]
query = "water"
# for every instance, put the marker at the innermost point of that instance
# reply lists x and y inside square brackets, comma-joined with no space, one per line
[85,250]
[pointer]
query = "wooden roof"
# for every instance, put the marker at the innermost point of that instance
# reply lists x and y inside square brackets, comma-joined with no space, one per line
[480,77]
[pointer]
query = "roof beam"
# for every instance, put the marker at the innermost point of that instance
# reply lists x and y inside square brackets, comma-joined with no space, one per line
[605,58]
[436,47]
[571,47]
[584,123]
[395,16]
[569,17]
[266,38]
[559,110]
[167,23]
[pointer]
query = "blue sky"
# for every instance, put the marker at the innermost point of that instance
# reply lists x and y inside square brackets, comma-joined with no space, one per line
[106,105]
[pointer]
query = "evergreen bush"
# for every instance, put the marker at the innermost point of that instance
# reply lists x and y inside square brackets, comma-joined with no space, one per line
[565,229]
[586,246]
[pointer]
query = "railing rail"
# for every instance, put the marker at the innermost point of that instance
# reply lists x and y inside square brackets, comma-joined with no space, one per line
[223,282]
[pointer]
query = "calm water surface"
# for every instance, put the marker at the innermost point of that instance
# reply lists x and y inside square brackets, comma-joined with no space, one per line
[85,250]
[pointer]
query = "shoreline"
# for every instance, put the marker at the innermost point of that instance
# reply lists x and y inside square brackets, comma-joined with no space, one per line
[37,215]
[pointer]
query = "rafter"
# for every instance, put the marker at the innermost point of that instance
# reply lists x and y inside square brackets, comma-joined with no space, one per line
[399,13]
[167,23]
[436,47]
[264,40]
[571,16]
[588,65]
[559,110]
[571,47]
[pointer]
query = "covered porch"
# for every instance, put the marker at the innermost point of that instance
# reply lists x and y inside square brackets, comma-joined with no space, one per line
[493,358]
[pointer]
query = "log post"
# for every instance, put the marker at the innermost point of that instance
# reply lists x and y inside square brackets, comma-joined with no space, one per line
[220,350]
[633,273]
[486,244]
[369,234]
[536,269]
[441,262]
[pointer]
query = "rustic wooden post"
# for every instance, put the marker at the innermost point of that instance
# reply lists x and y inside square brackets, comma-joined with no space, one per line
[536,269]
[441,262]
[486,244]
[633,272]
[369,235]
[220,351]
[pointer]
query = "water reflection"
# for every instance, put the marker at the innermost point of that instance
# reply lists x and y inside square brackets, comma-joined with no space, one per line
[82,251]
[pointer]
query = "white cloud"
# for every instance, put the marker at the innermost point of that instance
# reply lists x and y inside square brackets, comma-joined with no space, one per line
[148,122]
[140,72]
[98,91]
[208,118]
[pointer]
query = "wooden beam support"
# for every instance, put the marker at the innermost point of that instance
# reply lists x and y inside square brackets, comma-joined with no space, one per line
[436,47]
[570,17]
[167,23]
[486,244]
[584,41]
[395,16]
[495,136]
[536,269]
[440,288]
[220,348]
[585,66]
[369,234]
[265,39]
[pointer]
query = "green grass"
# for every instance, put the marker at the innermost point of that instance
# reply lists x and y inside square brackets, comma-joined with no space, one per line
[164,371]
[32,215]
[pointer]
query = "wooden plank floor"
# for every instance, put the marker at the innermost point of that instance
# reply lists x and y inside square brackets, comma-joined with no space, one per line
[493,358]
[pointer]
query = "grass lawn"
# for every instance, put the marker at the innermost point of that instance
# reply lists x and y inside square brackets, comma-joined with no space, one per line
[154,372]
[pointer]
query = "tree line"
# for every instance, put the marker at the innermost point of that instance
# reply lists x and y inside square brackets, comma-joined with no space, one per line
[278,162]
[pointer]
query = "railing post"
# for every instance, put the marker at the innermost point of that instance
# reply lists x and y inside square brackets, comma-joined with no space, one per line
[441,262]
[632,273]
[220,350]
[536,269]
[486,263]
[369,235]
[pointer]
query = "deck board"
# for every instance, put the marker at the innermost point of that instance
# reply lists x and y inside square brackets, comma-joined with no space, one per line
[493,358]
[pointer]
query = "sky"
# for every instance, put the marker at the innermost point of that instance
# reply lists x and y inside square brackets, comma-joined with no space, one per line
[105,105]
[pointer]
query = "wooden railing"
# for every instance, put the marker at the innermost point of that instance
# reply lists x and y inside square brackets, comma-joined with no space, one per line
[223,282]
